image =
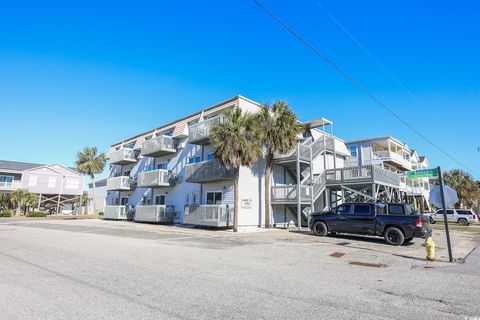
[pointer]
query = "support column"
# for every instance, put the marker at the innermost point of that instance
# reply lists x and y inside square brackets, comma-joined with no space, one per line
[299,204]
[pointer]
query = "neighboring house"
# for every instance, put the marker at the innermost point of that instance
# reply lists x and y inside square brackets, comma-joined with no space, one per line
[101,191]
[57,186]
[394,156]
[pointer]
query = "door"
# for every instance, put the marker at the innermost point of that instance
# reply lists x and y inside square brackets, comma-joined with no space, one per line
[362,219]
[337,223]
[159,199]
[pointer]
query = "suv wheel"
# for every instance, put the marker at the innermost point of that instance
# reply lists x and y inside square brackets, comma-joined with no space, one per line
[394,236]
[320,229]
[463,222]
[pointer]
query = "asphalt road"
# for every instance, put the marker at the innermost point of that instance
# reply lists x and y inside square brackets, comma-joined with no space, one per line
[115,270]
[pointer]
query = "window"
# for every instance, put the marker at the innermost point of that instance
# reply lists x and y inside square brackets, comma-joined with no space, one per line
[396,209]
[72,183]
[51,182]
[163,165]
[344,209]
[124,201]
[211,156]
[126,173]
[448,212]
[32,181]
[6,180]
[192,198]
[465,212]
[361,209]
[194,159]
[409,209]
[381,208]
[160,199]
[353,151]
[214,197]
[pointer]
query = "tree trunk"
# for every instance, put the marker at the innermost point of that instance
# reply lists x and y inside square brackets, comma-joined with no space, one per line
[268,179]
[235,200]
[94,197]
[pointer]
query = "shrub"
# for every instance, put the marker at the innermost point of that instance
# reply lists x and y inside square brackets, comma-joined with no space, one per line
[36,214]
[6,214]
[100,213]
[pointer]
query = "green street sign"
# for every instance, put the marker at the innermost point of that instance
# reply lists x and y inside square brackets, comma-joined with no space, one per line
[426,173]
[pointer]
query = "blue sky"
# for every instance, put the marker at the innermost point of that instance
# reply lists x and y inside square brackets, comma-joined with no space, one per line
[90,74]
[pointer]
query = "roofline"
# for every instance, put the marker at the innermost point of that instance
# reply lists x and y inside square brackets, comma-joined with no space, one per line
[55,164]
[379,138]
[237,97]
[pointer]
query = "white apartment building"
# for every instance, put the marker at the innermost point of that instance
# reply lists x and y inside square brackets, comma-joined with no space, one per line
[394,156]
[170,174]
[58,187]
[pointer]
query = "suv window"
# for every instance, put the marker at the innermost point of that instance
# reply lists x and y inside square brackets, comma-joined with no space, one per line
[362,209]
[396,209]
[409,209]
[381,208]
[344,209]
[465,212]
[441,211]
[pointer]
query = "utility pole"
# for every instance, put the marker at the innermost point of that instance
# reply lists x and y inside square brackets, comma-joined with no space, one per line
[444,205]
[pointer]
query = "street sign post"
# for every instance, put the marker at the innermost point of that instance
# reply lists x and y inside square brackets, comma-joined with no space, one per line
[436,173]
[445,220]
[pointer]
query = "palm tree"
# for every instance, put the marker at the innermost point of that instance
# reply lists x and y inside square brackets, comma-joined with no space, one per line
[20,198]
[90,162]
[467,189]
[238,143]
[280,129]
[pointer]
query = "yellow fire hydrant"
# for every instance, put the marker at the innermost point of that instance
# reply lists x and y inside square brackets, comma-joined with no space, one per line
[430,246]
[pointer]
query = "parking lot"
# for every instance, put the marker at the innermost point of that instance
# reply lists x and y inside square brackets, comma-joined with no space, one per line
[94,269]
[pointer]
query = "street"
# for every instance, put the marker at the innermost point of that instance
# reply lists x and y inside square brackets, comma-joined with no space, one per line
[94,269]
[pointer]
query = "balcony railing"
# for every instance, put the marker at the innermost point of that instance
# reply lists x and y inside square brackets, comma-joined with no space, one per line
[289,194]
[158,146]
[155,213]
[154,178]
[199,133]
[115,212]
[302,150]
[361,175]
[10,185]
[123,156]
[208,171]
[392,156]
[121,183]
[215,215]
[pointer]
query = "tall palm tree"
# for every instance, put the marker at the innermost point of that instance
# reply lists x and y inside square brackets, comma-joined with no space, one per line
[90,162]
[280,129]
[238,143]
[462,182]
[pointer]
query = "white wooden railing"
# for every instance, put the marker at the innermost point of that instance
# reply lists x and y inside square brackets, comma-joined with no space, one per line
[201,131]
[122,155]
[115,212]
[154,178]
[208,171]
[157,145]
[215,215]
[363,174]
[154,213]
[118,183]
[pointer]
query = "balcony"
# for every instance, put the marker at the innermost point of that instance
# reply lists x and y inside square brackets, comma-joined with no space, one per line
[154,178]
[115,213]
[155,213]
[121,183]
[393,157]
[199,133]
[10,185]
[289,194]
[158,146]
[215,215]
[208,171]
[362,175]
[123,156]
[302,151]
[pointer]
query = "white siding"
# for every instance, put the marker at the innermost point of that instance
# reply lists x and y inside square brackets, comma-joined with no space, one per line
[251,189]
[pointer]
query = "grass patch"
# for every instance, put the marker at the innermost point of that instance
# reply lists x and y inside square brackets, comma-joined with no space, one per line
[36,214]
[453,226]
[6,214]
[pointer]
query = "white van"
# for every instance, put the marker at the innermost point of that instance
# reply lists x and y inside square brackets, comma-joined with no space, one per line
[463,217]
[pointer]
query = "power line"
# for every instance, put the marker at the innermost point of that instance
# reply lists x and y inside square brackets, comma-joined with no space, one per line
[358,85]
[374,59]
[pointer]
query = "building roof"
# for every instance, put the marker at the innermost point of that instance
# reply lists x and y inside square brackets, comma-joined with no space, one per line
[378,138]
[18,166]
